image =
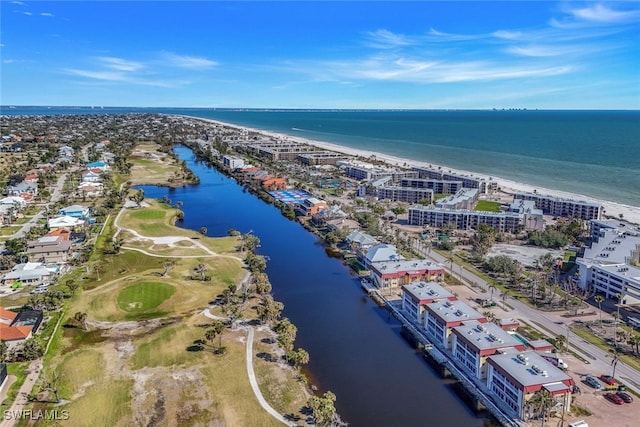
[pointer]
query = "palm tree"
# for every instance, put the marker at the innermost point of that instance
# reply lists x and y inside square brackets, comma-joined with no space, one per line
[541,402]
[599,299]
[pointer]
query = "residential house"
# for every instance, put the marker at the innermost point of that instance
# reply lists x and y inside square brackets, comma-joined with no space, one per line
[91,175]
[18,327]
[48,249]
[26,190]
[76,211]
[73,224]
[27,273]
[99,165]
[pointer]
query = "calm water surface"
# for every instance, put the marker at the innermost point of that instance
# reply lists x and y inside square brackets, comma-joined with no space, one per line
[356,350]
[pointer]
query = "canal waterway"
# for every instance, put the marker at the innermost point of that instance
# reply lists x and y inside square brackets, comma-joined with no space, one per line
[355,347]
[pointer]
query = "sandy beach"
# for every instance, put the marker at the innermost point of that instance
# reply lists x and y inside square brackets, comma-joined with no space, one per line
[612,209]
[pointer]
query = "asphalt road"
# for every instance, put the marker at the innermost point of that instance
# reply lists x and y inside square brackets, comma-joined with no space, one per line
[547,323]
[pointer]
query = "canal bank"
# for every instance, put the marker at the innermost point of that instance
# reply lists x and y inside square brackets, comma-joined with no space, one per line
[357,350]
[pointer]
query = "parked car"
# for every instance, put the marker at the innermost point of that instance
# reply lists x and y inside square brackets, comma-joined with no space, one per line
[608,379]
[614,398]
[592,382]
[625,396]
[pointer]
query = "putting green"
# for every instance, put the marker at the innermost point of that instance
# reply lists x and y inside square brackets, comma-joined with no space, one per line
[144,296]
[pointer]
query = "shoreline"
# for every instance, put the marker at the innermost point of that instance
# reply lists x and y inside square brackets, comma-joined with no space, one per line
[611,209]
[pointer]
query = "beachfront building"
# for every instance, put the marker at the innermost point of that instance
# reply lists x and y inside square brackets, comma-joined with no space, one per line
[514,378]
[609,265]
[388,274]
[533,217]
[368,172]
[465,198]
[281,150]
[442,316]
[468,181]
[416,295]
[557,206]
[503,222]
[437,185]
[405,194]
[233,162]
[320,158]
[473,342]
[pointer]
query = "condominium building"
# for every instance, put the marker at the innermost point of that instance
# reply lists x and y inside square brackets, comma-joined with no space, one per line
[514,378]
[442,316]
[416,295]
[320,158]
[557,206]
[437,185]
[368,172]
[398,272]
[468,181]
[466,219]
[473,342]
[609,265]
[405,194]
[465,198]
[233,162]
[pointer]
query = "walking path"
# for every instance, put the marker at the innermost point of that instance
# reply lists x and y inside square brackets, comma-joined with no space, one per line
[252,375]
[13,414]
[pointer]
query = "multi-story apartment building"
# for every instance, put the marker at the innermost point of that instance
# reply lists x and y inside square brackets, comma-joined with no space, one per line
[483,185]
[465,219]
[405,194]
[557,206]
[437,185]
[609,265]
[416,295]
[514,378]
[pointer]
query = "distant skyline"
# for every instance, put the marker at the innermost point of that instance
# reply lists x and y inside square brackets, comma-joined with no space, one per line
[315,55]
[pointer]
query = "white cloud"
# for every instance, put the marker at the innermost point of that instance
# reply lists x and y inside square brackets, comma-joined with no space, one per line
[27,13]
[602,14]
[385,39]
[185,61]
[119,63]
[47,14]
[18,3]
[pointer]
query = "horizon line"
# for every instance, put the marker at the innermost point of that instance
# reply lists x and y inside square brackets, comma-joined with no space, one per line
[94,107]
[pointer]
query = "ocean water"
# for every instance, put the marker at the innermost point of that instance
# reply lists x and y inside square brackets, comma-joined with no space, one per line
[592,153]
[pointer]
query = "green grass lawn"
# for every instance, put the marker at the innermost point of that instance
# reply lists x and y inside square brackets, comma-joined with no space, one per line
[145,296]
[487,206]
[17,370]
[146,214]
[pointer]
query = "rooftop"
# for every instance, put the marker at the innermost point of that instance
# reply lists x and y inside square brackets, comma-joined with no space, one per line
[427,291]
[453,311]
[486,336]
[528,368]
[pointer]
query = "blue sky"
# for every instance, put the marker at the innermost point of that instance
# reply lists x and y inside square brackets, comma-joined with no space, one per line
[419,54]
